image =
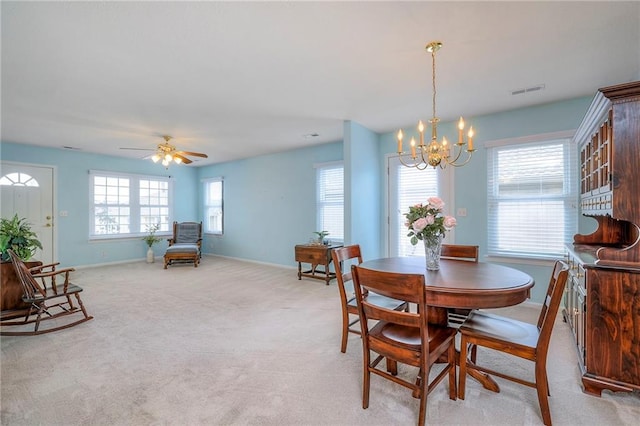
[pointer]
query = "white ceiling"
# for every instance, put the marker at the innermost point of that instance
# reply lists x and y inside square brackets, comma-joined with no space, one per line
[239,79]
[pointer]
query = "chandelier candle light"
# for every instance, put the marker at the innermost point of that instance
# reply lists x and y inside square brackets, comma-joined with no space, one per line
[436,153]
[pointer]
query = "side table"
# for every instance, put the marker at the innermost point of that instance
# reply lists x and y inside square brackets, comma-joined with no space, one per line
[317,255]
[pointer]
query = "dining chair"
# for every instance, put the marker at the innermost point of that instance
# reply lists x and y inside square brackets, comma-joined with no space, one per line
[521,339]
[45,298]
[400,336]
[341,256]
[467,253]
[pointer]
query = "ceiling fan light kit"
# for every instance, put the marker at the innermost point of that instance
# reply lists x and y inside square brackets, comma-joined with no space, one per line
[167,153]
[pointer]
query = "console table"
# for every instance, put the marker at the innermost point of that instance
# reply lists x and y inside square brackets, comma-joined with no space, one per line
[316,255]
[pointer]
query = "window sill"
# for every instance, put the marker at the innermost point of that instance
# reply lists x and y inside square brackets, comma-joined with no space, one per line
[522,260]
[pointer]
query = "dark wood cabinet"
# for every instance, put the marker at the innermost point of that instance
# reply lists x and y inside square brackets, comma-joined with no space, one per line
[602,300]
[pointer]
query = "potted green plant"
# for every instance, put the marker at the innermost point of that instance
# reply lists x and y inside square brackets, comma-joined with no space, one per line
[321,236]
[16,234]
[150,239]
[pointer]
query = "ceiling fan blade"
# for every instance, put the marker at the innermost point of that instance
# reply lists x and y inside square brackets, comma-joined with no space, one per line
[185,160]
[194,154]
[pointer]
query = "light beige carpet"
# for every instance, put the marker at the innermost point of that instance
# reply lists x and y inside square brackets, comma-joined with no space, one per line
[234,342]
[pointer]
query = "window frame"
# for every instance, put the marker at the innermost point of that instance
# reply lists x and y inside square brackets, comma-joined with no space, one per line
[320,204]
[134,205]
[569,196]
[207,205]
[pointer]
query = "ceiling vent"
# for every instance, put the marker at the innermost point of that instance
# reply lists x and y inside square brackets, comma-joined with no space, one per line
[527,89]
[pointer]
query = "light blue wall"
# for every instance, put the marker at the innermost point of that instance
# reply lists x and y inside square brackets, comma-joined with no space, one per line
[269,203]
[363,185]
[471,180]
[72,195]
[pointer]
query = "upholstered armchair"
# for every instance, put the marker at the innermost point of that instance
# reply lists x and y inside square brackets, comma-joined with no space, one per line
[185,245]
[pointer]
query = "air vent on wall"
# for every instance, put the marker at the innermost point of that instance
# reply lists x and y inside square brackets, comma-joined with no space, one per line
[527,89]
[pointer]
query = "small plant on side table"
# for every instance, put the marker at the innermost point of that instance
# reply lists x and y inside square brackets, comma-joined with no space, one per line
[321,236]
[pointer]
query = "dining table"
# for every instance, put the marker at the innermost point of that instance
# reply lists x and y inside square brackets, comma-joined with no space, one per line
[461,284]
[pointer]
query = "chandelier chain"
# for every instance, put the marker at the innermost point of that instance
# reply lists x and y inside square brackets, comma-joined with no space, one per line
[436,153]
[433,80]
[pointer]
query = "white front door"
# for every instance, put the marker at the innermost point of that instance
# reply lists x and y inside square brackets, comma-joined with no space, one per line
[28,191]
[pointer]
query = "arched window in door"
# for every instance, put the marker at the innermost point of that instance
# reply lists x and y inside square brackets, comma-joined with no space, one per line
[18,179]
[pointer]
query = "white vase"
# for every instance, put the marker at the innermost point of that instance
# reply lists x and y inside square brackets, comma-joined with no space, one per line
[150,256]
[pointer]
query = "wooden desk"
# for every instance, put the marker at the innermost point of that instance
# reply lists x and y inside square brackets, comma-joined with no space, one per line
[316,255]
[466,285]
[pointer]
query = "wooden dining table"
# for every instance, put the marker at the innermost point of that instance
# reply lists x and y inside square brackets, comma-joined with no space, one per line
[463,285]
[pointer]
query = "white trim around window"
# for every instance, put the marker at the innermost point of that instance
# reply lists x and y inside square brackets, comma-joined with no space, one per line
[532,193]
[214,206]
[125,205]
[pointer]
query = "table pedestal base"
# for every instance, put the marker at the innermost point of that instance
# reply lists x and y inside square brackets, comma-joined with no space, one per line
[440,316]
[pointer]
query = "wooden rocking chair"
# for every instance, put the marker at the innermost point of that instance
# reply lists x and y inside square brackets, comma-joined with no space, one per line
[41,300]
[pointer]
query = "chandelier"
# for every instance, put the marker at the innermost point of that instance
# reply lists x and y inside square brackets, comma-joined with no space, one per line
[167,153]
[436,153]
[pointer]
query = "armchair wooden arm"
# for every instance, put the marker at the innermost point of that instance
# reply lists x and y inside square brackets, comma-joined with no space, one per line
[37,269]
[52,282]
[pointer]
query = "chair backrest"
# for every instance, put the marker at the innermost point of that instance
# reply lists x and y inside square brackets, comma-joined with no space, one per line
[187,232]
[30,287]
[341,256]
[551,303]
[408,287]
[460,252]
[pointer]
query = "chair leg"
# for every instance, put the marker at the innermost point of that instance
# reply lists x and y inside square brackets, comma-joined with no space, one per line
[453,391]
[424,392]
[70,302]
[542,387]
[366,379]
[345,331]
[462,378]
[392,367]
[81,305]
[38,317]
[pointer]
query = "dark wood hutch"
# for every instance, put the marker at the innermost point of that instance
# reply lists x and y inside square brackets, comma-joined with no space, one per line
[602,303]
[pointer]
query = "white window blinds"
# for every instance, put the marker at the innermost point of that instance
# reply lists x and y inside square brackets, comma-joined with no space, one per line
[330,200]
[213,206]
[531,199]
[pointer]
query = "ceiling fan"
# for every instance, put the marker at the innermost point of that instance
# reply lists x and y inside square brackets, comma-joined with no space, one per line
[168,153]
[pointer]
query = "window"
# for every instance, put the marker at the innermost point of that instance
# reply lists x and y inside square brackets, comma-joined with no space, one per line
[127,205]
[18,179]
[531,198]
[213,206]
[330,200]
[408,186]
